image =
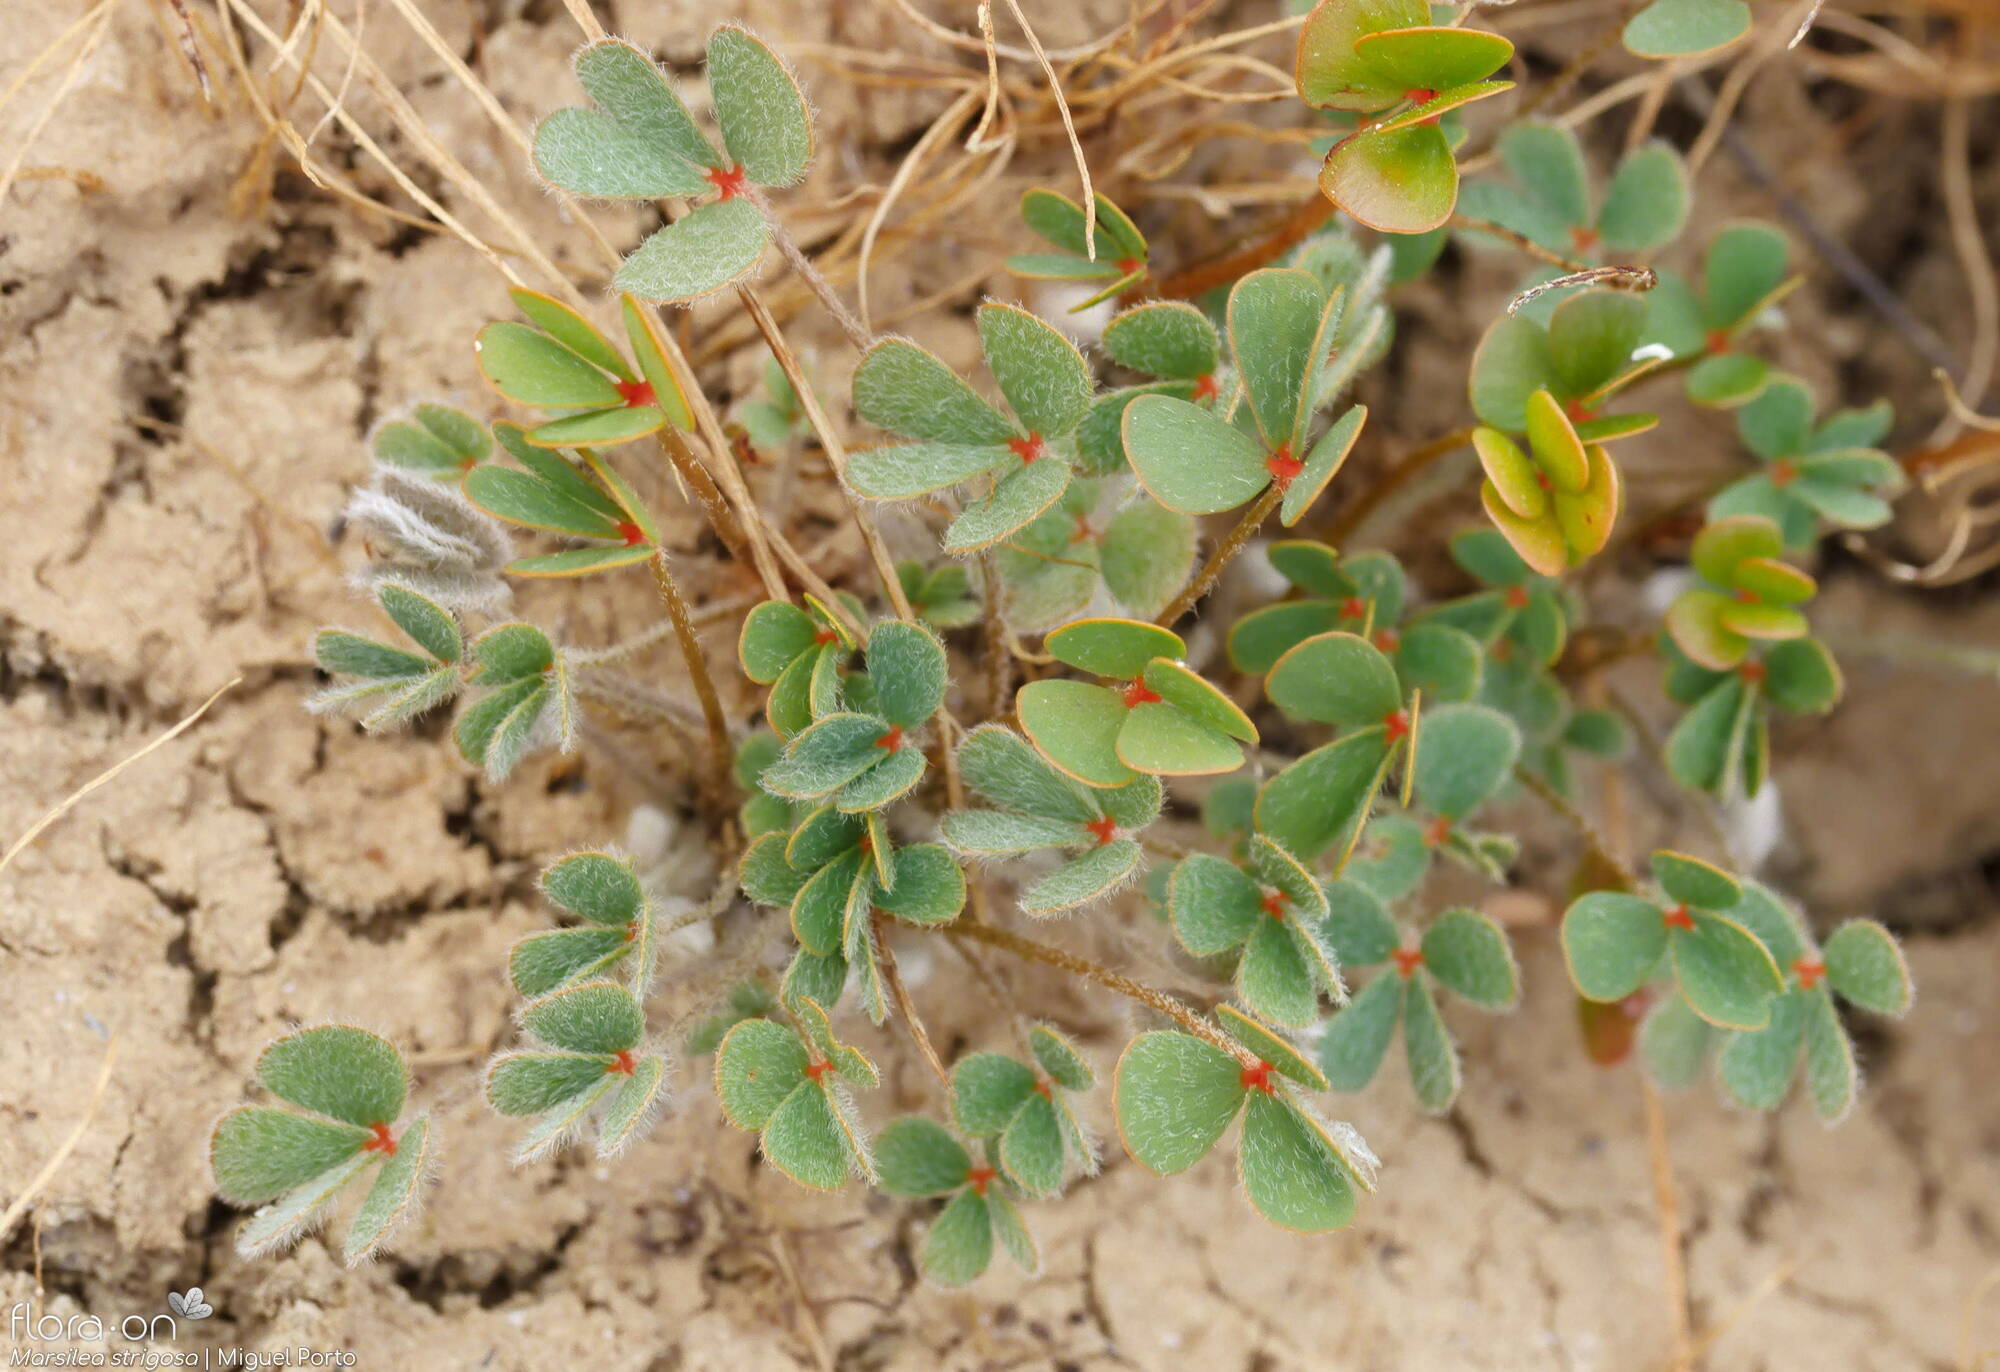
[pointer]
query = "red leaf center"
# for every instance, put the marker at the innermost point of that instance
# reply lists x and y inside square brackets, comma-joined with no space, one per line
[621,1065]
[1137,693]
[636,393]
[1205,387]
[1583,238]
[1129,265]
[1354,607]
[1397,724]
[631,533]
[380,1140]
[1029,448]
[1257,1078]
[892,740]
[730,183]
[1784,472]
[1753,672]
[817,1070]
[1274,905]
[1408,960]
[1103,829]
[1517,597]
[1810,970]
[1437,831]
[1678,918]
[824,636]
[1284,468]
[1388,640]
[1717,342]
[979,1177]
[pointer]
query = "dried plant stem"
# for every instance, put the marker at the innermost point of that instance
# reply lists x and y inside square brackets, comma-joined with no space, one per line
[1545,92]
[421,135]
[1617,278]
[1962,213]
[98,17]
[110,773]
[1602,849]
[632,702]
[997,674]
[1225,552]
[1088,199]
[184,31]
[802,265]
[19,1205]
[813,582]
[1407,468]
[829,441]
[943,127]
[1062,961]
[1292,230]
[730,476]
[697,662]
[781,1253]
[906,1007]
[706,493]
[1520,240]
[1666,1203]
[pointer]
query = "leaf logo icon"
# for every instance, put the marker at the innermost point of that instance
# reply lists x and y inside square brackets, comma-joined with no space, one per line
[189,1306]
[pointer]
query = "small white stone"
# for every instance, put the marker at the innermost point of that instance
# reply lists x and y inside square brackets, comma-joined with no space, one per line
[649,833]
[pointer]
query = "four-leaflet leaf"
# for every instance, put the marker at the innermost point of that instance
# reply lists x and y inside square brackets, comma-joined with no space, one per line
[638,142]
[1283,323]
[1615,943]
[958,437]
[1557,500]
[1025,1110]
[1831,470]
[1463,951]
[789,1086]
[919,1160]
[584,1058]
[1120,249]
[1176,1094]
[562,364]
[1162,719]
[1038,807]
[1388,58]
[1743,277]
[343,1090]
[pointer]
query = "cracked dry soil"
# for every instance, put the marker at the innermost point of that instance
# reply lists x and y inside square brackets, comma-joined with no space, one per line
[187,375]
